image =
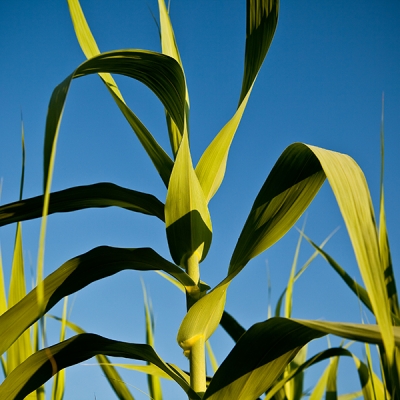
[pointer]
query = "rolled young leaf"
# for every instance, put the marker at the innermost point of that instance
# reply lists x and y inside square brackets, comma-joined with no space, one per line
[74,275]
[41,366]
[81,197]
[187,218]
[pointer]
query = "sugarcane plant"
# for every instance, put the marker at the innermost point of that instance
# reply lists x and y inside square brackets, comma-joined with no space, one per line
[258,362]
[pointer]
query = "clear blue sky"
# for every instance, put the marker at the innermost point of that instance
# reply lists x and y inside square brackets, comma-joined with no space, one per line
[321,84]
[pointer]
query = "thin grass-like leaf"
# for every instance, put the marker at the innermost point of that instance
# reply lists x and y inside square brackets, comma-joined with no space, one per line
[21,349]
[383,235]
[160,159]
[58,388]
[81,197]
[211,356]
[153,382]
[74,275]
[37,369]
[301,271]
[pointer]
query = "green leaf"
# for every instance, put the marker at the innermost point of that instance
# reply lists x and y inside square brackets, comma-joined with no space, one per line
[231,326]
[41,366]
[153,381]
[170,48]
[261,22]
[111,374]
[22,348]
[160,73]
[351,191]
[187,218]
[88,45]
[264,351]
[258,359]
[81,197]
[74,275]
[290,187]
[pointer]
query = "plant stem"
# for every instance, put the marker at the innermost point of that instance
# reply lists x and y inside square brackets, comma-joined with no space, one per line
[198,367]
[197,357]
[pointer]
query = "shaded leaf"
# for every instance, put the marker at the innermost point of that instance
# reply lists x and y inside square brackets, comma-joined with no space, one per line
[74,275]
[86,40]
[81,197]
[162,74]
[41,366]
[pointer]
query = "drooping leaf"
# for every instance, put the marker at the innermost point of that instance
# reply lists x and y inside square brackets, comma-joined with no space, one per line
[352,195]
[41,366]
[74,275]
[170,48]
[187,218]
[160,159]
[81,197]
[263,352]
[114,379]
[258,359]
[162,74]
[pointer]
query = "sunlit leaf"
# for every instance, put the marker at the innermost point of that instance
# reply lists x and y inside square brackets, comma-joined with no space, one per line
[22,348]
[290,187]
[187,218]
[261,22]
[170,48]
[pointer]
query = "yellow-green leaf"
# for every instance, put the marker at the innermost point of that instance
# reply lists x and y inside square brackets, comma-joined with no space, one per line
[187,218]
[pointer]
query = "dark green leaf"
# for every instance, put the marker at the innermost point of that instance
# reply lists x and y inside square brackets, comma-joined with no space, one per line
[81,197]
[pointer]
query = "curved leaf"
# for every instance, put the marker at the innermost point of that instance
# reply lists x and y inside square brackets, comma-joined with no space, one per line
[41,366]
[162,74]
[261,22]
[289,189]
[89,47]
[74,275]
[170,48]
[265,349]
[81,197]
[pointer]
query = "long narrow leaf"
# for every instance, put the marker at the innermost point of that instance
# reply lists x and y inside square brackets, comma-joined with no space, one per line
[39,368]
[74,275]
[81,197]
[160,159]
[261,22]
[187,218]
[162,74]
